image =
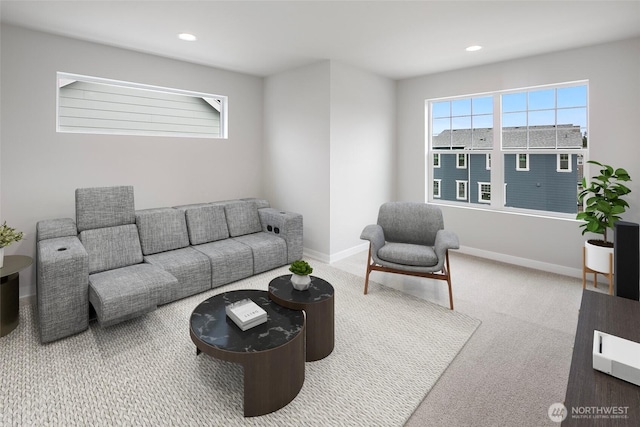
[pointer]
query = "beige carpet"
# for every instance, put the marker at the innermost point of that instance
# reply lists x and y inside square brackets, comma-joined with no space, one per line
[390,350]
[517,363]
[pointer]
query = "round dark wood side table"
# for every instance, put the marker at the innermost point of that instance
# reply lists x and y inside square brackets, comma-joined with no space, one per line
[318,304]
[10,291]
[272,354]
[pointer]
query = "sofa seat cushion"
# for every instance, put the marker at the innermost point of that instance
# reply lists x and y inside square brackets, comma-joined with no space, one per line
[269,251]
[230,261]
[242,218]
[191,267]
[408,254]
[162,229]
[206,224]
[127,292]
[112,247]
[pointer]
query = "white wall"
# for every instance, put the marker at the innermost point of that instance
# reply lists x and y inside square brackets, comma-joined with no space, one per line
[296,148]
[329,151]
[40,169]
[613,71]
[362,153]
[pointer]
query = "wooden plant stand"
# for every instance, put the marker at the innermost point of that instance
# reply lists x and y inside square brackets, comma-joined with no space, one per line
[586,270]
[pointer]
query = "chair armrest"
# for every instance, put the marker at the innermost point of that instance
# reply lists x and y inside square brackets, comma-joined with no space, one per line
[52,228]
[62,283]
[445,240]
[287,225]
[375,235]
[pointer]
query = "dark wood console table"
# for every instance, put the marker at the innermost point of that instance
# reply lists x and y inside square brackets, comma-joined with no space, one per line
[589,390]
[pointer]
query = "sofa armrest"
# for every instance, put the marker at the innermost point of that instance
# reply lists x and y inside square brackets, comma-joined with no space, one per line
[62,282]
[287,225]
[52,228]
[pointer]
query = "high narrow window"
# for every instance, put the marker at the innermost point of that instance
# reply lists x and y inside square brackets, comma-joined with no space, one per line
[96,105]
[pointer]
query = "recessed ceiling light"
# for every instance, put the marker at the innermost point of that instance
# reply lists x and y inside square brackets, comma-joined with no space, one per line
[473,48]
[187,37]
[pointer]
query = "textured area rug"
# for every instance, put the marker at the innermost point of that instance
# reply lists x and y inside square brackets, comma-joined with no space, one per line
[390,349]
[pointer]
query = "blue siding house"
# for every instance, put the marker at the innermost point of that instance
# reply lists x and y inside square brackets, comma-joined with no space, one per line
[546,182]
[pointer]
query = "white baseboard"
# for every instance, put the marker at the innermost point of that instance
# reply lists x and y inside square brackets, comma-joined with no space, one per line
[316,255]
[522,262]
[328,259]
[495,256]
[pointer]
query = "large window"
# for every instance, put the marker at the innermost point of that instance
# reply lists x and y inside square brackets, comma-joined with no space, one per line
[539,136]
[96,105]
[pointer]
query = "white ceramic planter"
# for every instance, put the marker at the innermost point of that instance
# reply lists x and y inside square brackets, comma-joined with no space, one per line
[597,257]
[300,283]
[1,257]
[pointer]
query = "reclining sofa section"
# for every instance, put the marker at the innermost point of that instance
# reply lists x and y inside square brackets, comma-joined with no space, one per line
[126,263]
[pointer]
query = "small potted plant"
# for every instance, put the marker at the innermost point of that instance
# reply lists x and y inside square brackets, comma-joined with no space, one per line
[8,236]
[300,278]
[603,207]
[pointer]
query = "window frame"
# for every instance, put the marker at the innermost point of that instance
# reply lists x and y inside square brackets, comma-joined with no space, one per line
[559,163]
[436,163]
[480,192]
[464,183]
[497,152]
[437,194]
[217,102]
[464,157]
[524,168]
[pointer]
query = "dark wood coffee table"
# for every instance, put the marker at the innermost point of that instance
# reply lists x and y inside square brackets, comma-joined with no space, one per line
[272,354]
[318,304]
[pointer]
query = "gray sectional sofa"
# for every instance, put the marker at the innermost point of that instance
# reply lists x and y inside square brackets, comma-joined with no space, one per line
[125,263]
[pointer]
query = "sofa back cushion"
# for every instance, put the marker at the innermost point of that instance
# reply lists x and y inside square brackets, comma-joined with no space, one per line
[242,218]
[112,247]
[162,229]
[206,224]
[101,207]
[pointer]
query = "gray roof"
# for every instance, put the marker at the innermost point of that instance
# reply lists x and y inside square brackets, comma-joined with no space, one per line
[568,136]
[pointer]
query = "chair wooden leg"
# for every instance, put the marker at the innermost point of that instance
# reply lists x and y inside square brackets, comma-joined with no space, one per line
[448,272]
[366,279]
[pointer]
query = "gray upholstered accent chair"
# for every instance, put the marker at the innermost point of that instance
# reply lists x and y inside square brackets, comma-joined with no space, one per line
[410,239]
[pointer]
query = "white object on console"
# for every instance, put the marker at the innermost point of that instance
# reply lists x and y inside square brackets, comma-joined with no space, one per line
[617,357]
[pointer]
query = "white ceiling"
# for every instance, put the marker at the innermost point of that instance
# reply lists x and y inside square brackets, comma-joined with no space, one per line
[397,39]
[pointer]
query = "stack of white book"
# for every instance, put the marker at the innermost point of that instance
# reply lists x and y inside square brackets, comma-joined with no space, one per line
[246,314]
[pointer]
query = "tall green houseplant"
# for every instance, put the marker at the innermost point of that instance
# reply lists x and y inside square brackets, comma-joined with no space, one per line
[604,200]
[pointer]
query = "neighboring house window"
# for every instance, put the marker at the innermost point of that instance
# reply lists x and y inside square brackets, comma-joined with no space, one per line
[436,160]
[564,163]
[436,188]
[537,130]
[461,190]
[100,106]
[522,162]
[484,192]
[462,161]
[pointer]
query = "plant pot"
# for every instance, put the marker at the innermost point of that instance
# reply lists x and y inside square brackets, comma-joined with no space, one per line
[597,257]
[300,283]
[1,257]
